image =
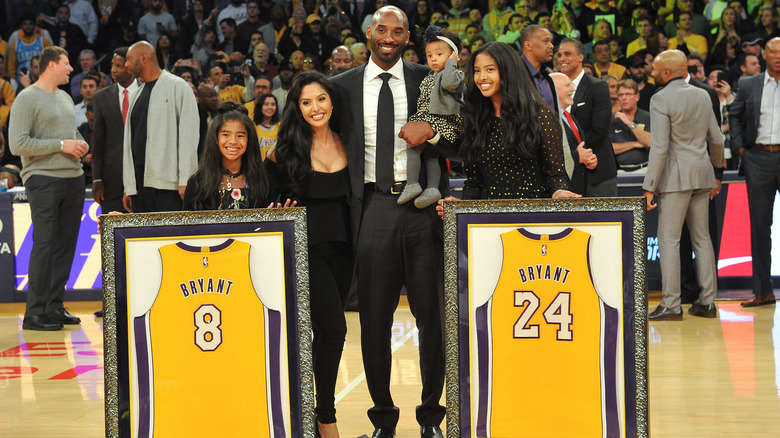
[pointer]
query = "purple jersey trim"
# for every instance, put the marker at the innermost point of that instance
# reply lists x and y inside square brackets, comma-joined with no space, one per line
[275,335]
[551,237]
[144,401]
[221,246]
[611,319]
[483,353]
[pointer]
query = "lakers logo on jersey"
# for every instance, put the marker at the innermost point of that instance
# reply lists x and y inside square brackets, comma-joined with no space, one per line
[206,338]
[541,343]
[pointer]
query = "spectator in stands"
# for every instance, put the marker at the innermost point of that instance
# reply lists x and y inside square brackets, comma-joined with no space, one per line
[716,79]
[68,35]
[89,86]
[285,77]
[208,102]
[700,25]
[23,45]
[231,92]
[128,35]
[324,42]
[359,53]
[630,129]
[86,129]
[166,54]
[231,42]
[616,50]
[252,23]
[204,49]
[274,30]
[31,75]
[191,24]
[294,39]
[38,8]
[727,27]
[7,94]
[341,59]
[512,32]
[88,64]
[687,41]
[604,11]
[636,71]
[236,10]
[458,15]
[695,61]
[604,64]
[261,63]
[537,53]
[749,65]
[83,15]
[266,118]
[724,53]
[766,22]
[643,27]
[497,19]
[562,23]
[155,22]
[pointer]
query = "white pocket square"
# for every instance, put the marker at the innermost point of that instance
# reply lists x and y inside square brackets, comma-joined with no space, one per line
[581,103]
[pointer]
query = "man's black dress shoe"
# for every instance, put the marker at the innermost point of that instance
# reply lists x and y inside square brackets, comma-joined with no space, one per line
[708,311]
[99,314]
[431,432]
[384,432]
[61,315]
[40,322]
[662,313]
[759,300]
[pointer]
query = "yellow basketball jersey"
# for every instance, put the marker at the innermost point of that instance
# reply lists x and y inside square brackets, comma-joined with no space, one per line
[542,330]
[207,329]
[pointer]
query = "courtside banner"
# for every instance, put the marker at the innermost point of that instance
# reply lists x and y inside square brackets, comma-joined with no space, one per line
[207,328]
[546,333]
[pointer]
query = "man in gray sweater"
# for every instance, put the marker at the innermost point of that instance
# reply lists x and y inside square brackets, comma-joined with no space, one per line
[43,133]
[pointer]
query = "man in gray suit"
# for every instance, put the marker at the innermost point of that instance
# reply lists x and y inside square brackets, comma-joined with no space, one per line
[680,176]
[755,116]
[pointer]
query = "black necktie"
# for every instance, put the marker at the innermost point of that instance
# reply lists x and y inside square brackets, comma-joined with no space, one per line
[385,119]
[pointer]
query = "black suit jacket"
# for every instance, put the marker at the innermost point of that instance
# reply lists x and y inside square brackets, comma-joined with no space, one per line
[745,112]
[592,108]
[577,181]
[107,140]
[713,98]
[350,93]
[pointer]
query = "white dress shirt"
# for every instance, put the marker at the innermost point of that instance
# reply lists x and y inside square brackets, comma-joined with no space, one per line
[372,83]
[769,119]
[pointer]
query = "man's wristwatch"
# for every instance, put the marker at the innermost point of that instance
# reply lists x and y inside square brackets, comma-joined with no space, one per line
[634,125]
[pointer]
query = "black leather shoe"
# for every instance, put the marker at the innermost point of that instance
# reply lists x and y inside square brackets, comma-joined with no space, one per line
[99,314]
[61,315]
[383,432]
[431,432]
[40,322]
[708,311]
[661,313]
[688,299]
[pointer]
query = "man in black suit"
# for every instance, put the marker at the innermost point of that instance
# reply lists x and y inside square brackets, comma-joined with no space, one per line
[584,157]
[395,245]
[108,136]
[755,138]
[592,108]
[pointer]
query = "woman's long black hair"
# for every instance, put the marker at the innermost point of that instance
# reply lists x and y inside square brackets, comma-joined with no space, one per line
[293,146]
[520,126]
[207,178]
[258,116]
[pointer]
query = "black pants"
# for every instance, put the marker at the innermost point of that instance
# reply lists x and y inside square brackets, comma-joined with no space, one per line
[762,175]
[56,205]
[400,246]
[150,200]
[330,274]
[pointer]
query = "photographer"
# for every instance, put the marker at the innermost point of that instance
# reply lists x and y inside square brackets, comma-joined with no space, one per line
[227,84]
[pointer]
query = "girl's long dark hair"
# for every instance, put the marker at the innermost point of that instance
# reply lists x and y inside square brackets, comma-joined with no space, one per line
[258,115]
[293,146]
[520,127]
[208,177]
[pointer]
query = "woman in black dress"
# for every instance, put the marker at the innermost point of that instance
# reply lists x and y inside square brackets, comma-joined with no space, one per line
[230,172]
[309,162]
[512,144]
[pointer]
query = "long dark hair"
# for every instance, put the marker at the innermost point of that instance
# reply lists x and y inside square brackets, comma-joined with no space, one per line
[258,115]
[209,174]
[293,147]
[520,127]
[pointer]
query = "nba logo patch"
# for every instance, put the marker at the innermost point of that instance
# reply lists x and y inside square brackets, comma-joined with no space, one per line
[544,250]
[205,262]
